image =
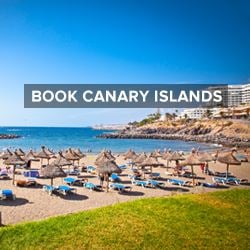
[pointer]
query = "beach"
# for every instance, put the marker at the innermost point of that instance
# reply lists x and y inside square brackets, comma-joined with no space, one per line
[32,203]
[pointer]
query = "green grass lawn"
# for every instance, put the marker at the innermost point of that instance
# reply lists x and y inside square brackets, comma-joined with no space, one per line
[218,220]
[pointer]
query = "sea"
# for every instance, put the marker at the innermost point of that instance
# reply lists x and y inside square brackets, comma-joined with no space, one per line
[59,138]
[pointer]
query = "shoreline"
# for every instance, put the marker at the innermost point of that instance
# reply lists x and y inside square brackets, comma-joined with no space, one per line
[219,140]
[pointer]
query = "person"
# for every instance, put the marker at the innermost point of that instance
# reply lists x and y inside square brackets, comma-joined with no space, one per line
[101,178]
[178,168]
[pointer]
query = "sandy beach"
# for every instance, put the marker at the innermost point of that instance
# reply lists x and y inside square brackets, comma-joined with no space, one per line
[32,203]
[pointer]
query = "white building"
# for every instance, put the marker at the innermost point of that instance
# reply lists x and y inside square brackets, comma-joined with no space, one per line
[194,113]
[246,93]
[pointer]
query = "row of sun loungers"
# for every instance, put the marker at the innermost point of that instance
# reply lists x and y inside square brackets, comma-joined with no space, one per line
[62,189]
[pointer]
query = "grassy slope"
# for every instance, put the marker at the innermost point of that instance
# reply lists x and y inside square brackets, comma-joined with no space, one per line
[216,220]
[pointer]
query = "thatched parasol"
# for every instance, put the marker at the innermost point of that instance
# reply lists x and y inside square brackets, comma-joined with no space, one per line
[6,155]
[151,162]
[30,156]
[14,160]
[52,171]
[104,155]
[44,154]
[140,158]
[20,152]
[192,160]
[156,154]
[129,155]
[176,157]
[106,167]
[61,161]
[71,156]
[229,159]
[79,153]
[166,155]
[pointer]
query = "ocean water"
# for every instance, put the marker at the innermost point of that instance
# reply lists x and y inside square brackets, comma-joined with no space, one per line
[85,139]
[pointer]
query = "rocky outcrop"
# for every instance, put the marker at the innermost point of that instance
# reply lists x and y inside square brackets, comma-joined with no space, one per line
[9,136]
[187,132]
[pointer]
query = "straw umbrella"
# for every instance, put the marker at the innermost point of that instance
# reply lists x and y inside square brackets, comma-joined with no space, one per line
[140,158]
[192,160]
[80,154]
[29,157]
[104,155]
[106,167]
[129,155]
[6,154]
[229,159]
[71,156]
[175,157]
[20,152]
[43,154]
[14,160]
[52,171]
[61,161]
[151,162]
[156,154]
[206,157]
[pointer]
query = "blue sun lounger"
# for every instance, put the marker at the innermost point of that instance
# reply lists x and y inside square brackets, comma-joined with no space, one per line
[155,175]
[49,189]
[91,186]
[115,178]
[123,167]
[31,174]
[72,181]
[73,172]
[178,182]
[224,181]
[7,194]
[156,184]
[91,169]
[140,183]
[65,189]
[120,187]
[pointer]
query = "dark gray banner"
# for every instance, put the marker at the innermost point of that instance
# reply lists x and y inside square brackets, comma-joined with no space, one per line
[124,95]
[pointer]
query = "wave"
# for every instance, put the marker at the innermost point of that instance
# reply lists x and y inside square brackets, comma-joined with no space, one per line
[13,129]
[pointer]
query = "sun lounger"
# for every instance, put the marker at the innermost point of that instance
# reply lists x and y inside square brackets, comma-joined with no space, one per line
[73,172]
[178,182]
[155,175]
[91,169]
[31,173]
[115,178]
[123,167]
[4,174]
[120,187]
[219,174]
[65,189]
[26,183]
[211,185]
[49,189]
[91,186]
[7,194]
[229,180]
[73,181]
[140,183]
[156,184]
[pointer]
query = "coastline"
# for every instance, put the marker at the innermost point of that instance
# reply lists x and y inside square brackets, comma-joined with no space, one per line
[209,139]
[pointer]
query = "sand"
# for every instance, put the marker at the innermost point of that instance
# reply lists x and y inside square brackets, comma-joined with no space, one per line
[33,203]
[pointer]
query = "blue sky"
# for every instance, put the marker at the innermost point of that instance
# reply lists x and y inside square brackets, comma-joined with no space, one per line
[149,42]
